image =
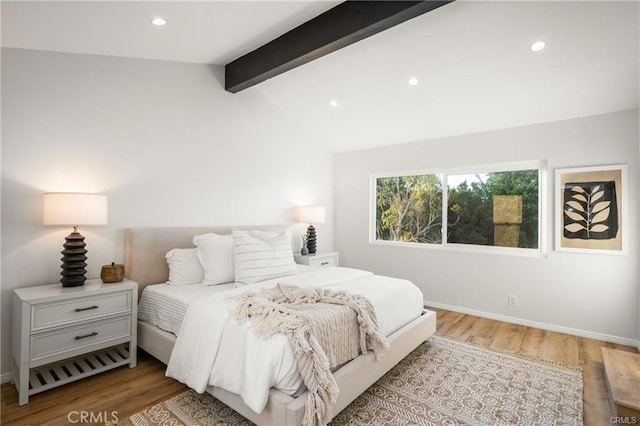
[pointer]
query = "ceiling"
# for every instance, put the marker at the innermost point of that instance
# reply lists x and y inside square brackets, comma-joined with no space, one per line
[472,60]
[205,32]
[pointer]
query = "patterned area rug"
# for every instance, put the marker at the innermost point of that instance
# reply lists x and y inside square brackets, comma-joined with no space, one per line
[442,382]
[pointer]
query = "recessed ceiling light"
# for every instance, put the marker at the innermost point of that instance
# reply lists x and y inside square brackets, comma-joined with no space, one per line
[538,46]
[413,81]
[333,103]
[159,21]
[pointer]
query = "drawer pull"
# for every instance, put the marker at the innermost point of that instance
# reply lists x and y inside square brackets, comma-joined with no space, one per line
[324,263]
[86,309]
[95,333]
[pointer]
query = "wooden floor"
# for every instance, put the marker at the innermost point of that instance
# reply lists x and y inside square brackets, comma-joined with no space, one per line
[124,391]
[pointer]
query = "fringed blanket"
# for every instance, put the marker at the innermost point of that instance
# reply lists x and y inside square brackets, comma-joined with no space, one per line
[326,328]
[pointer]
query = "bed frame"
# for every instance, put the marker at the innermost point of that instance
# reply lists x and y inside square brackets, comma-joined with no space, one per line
[145,263]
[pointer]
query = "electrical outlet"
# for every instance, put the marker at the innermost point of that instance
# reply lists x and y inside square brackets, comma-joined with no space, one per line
[513,301]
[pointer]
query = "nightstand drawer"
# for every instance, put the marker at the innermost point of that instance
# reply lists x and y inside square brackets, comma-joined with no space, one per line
[323,261]
[79,310]
[71,338]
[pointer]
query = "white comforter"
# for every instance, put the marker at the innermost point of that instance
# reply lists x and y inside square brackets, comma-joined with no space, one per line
[213,349]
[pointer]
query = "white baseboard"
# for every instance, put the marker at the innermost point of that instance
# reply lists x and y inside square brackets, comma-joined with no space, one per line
[5,378]
[536,324]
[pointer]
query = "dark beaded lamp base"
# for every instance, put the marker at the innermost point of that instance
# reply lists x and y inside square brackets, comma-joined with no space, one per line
[311,239]
[73,261]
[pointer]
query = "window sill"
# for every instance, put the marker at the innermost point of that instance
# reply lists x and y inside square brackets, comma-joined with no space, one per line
[466,248]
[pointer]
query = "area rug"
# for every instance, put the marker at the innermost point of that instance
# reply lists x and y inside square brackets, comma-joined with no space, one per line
[443,382]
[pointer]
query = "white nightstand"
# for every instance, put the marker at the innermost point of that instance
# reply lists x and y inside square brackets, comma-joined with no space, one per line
[62,334]
[324,260]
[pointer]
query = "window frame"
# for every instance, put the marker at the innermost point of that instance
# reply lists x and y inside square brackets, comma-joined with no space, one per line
[543,222]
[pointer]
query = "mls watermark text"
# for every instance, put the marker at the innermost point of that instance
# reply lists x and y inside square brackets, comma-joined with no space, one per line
[79,417]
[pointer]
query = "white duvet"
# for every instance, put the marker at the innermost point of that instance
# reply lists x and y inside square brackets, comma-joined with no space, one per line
[213,349]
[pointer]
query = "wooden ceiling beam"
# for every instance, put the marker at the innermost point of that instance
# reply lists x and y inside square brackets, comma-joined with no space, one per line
[334,29]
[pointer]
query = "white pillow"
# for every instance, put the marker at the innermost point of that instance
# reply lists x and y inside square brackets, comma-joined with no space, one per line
[259,256]
[184,267]
[264,235]
[215,253]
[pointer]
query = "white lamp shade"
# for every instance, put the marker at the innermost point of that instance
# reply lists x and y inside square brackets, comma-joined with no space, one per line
[65,208]
[309,214]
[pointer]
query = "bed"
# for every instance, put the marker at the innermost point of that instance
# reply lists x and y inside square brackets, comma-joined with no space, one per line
[145,263]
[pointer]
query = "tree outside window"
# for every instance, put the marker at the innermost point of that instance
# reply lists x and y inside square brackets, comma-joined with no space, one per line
[488,209]
[471,208]
[409,209]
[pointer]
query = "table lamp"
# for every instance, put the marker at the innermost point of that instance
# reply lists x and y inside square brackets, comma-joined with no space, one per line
[65,208]
[310,215]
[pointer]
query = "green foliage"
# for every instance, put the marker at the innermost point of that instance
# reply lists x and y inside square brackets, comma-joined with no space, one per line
[469,214]
[470,209]
[525,183]
[409,208]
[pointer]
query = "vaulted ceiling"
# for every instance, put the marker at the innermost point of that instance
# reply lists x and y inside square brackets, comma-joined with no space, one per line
[471,59]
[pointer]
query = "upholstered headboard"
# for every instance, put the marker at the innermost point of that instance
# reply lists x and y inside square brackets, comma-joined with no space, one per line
[145,249]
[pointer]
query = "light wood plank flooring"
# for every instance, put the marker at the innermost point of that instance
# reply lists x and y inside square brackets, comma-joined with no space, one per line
[127,391]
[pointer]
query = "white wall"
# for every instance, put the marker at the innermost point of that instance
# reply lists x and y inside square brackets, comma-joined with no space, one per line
[163,140]
[582,293]
[638,255]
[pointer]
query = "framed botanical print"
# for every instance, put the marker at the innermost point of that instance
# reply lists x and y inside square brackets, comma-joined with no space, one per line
[591,209]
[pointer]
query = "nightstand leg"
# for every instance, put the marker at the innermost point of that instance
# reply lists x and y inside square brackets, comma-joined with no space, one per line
[22,384]
[133,352]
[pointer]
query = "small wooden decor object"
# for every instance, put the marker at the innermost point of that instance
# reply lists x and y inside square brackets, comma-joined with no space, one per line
[622,371]
[112,273]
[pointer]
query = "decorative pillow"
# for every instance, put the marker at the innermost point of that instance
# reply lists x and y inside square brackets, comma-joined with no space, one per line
[184,266]
[259,256]
[264,235]
[215,253]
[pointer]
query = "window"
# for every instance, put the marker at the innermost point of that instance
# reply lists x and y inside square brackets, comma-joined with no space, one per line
[409,209]
[496,206]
